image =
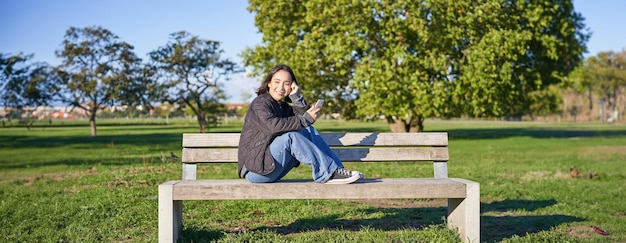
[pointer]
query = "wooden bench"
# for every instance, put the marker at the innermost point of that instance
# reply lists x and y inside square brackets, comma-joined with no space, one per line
[463,195]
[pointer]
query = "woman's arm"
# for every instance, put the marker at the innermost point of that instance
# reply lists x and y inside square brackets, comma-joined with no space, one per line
[269,119]
[301,107]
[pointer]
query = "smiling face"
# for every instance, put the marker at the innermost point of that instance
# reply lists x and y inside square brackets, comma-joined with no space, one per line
[280,85]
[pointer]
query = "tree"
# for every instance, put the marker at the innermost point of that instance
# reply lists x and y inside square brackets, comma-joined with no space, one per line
[25,84]
[191,68]
[98,69]
[142,88]
[408,60]
[603,75]
[545,102]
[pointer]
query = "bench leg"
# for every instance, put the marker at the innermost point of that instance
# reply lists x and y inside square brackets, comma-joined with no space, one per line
[464,213]
[190,171]
[170,213]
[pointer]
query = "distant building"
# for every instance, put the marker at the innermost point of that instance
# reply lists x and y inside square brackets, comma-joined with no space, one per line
[235,106]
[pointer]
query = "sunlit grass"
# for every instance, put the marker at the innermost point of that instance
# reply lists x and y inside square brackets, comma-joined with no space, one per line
[59,184]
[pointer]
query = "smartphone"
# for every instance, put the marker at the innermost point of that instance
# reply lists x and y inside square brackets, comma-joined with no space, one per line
[319,103]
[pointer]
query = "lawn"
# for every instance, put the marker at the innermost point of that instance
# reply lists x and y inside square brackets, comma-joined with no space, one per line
[58,184]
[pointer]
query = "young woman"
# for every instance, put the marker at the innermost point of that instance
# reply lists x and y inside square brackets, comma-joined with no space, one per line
[278,134]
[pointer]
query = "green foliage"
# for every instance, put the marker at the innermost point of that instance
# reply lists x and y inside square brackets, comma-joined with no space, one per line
[190,69]
[545,102]
[25,84]
[602,77]
[605,75]
[407,60]
[98,69]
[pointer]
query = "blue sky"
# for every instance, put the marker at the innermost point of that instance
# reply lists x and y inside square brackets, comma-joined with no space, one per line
[38,26]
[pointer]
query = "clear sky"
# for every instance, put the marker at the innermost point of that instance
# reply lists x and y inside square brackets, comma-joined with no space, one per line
[38,26]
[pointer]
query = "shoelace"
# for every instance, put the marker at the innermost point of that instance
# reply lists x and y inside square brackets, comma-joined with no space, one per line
[343,172]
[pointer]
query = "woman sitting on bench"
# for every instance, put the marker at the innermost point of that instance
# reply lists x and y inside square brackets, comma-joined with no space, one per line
[277,135]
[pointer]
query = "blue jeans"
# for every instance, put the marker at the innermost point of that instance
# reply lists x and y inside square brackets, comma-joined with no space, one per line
[305,146]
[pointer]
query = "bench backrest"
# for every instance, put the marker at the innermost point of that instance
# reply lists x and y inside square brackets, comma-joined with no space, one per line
[349,147]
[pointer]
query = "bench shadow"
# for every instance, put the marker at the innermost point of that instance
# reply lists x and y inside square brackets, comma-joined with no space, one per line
[395,219]
[197,234]
[335,139]
[500,221]
[497,225]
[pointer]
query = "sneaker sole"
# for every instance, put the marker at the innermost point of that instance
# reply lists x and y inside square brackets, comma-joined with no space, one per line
[351,179]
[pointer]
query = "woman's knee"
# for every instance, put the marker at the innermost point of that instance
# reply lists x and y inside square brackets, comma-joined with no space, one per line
[291,137]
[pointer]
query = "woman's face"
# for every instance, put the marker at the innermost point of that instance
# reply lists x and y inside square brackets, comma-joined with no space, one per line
[280,85]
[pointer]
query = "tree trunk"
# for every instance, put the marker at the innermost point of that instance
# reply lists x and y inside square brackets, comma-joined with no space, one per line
[202,122]
[396,126]
[415,124]
[92,123]
[590,112]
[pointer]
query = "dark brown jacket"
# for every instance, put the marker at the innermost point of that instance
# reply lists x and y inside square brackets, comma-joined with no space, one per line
[265,120]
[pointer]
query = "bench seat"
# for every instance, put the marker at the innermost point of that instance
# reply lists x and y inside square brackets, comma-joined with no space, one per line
[386,188]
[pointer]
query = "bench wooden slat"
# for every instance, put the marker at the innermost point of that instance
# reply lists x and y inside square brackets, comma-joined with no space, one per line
[307,189]
[333,139]
[386,139]
[210,139]
[221,155]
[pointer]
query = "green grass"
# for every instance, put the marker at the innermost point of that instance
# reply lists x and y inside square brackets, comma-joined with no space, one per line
[58,184]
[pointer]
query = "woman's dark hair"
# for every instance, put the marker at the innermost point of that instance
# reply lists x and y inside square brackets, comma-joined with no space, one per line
[264,86]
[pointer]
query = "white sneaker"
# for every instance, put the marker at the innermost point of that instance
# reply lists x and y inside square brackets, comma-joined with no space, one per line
[343,176]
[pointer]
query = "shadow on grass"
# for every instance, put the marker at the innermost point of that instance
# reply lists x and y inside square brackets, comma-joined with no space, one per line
[395,219]
[91,162]
[81,141]
[494,227]
[103,150]
[502,223]
[196,234]
[494,133]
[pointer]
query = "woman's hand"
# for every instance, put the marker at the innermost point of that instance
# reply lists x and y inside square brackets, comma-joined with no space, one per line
[294,88]
[314,112]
